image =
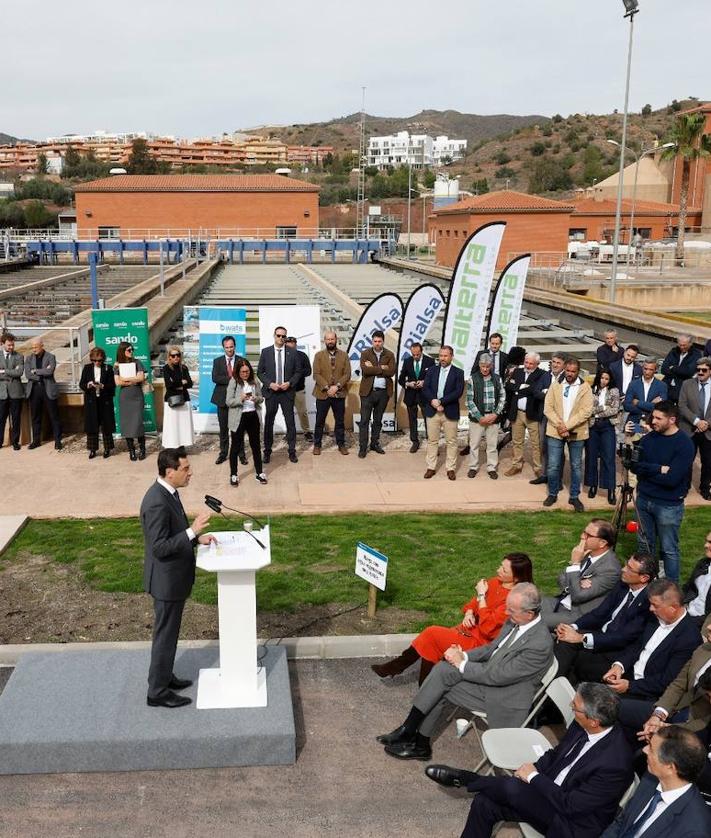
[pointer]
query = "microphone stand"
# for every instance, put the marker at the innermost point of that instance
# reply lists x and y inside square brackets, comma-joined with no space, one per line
[216,506]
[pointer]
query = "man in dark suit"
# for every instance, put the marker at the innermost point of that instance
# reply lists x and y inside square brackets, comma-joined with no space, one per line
[666,803]
[666,644]
[279,372]
[304,364]
[412,379]
[586,648]
[526,391]
[222,369]
[500,678]
[442,389]
[377,367]
[697,588]
[12,392]
[42,392]
[625,370]
[609,351]
[572,790]
[695,419]
[499,358]
[680,365]
[644,393]
[169,570]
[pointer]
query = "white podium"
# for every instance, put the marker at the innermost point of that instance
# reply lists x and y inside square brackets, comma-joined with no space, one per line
[239,682]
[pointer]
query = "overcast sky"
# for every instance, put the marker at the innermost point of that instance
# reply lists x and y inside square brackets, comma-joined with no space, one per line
[200,68]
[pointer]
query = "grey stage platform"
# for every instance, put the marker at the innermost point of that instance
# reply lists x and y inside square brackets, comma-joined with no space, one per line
[86,711]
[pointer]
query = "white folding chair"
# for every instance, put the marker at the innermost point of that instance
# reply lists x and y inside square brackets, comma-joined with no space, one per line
[509,747]
[561,692]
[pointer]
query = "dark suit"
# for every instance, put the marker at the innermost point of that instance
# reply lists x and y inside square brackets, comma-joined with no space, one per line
[701,568]
[689,410]
[284,399]
[413,398]
[500,362]
[676,372]
[99,406]
[687,817]
[665,662]
[538,382]
[12,392]
[657,388]
[168,576]
[625,629]
[42,392]
[606,356]
[221,379]
[580,807]
[617,377]
[453,389]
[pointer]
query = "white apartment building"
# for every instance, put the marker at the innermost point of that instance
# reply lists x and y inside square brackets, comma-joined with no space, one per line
[416,150]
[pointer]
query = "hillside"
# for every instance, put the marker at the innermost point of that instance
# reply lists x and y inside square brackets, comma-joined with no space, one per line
[7,139]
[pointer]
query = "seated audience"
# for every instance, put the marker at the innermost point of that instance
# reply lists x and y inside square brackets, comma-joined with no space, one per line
[697,590]
[593,572]
[484,615]
[586,649]
[666,803]
[572,790]
[499,679]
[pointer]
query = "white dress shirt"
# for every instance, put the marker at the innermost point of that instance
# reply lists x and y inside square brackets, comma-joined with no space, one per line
[588,638]
[659,636]
[442,380]
[379,383]
[248,406]
[668,797]
[520,631]
[627,370]
[593,738]
[697,606]
[645,388]
[522,402]
[569,400]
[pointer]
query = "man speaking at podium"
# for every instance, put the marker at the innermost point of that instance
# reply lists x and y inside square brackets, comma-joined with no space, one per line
[169,570]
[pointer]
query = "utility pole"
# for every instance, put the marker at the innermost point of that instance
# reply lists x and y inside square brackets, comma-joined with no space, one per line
[360,201]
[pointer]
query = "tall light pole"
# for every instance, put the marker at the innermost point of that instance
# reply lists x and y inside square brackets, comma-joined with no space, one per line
[409,200]
[631,9]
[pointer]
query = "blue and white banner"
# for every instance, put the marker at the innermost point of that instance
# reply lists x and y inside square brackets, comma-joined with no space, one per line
[421,311]
[508,297]
[383,313]
[469,295]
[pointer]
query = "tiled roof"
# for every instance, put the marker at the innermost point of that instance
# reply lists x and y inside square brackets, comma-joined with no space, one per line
[197,183]
[505,201]
[589,206]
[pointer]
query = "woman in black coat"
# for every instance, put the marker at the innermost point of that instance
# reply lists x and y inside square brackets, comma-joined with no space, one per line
[177,415]
[97,382]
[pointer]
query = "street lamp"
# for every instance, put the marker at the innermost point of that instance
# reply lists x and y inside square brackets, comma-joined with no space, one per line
[409,201]
[631,9]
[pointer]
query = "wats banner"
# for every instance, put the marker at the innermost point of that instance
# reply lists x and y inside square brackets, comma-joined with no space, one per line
[111,327]
[383,313]
[469,294]
[508,297]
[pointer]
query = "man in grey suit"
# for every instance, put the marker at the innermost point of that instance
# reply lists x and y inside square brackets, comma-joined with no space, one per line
[500,678]
[593,572]
[12,392]
[169,570]
[42,392]
[695,419]
[279,371]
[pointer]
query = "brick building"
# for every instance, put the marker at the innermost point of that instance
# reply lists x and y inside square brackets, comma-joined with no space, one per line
[594,220]
[137,206]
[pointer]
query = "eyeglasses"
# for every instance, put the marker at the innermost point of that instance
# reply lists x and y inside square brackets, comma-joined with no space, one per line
[128,349]
[587,534]
[283,337]
[575,709]
[175,354]
[702,369]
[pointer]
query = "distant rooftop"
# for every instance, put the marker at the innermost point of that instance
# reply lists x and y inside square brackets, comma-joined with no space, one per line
[505,201]
[197,183]
[591,206]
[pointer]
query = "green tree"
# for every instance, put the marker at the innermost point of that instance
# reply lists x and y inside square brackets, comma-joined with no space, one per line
[537,149]
[502,158]
[37,215]
[548,175]
[647,110]
[690,143]
[480,187]
[41,167]
[557,118]
[428,179]
[140,160]
[11,214]
[592,165]
[72,159]
[505,172]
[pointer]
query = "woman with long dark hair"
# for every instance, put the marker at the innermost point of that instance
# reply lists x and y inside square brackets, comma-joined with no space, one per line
[484,615]
[244,395]
[131,400]
[600,468]
[97,383]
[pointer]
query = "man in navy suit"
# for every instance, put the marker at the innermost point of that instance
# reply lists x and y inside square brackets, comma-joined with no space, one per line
[626,369]
[412,380]
[223,368]
[644,393]
[442,389]
[280,372]
[572,789]
[587,647]
[666,803]
[646,669]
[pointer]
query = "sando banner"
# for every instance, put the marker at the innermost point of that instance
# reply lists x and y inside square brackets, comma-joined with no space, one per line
[508,297]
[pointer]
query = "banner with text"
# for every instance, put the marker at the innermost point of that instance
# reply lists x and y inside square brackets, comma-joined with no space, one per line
[421,311]
[469,294]
[111,327]
[383,313]
[508,297]
[303,323]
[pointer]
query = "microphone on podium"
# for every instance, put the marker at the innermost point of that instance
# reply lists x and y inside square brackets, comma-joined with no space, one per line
[215,504]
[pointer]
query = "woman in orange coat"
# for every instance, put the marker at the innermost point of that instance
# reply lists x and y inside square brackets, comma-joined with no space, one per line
[483,617]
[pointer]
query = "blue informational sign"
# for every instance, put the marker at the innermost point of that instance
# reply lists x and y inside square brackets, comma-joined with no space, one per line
[215,323]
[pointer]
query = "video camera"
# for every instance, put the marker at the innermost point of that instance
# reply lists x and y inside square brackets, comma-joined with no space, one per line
[629,453]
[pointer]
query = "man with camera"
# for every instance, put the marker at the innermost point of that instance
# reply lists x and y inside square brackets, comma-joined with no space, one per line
[662,463]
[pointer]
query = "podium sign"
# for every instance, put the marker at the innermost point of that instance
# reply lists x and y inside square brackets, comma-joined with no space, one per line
[239,681]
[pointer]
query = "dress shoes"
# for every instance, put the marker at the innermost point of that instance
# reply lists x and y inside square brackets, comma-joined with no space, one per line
[169,699]
[539,481]
[455,778]
[592,491]
[576,504]
[317,450]
[362,453]
[58,445]
[16,446]
[378,448]
[612,497]
[705,493]
[293,458]
[414,448]
[494,475]
[179,683]
[267,456]
[106,454]
[409,750]
[451,475]
[343,450]
[92,454]
[400,734]
[243,459]
[34,445]
[429,473]
[464,451]
[472,473]
[308,436]
[221,459]
[550,500]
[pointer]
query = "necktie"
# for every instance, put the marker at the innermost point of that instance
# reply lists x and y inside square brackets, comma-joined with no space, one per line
[417,369]
[229,368]
[509,639]
[635,828]
[572,754]
[494,362]
[180,504]
[279,370]
[625,605]
[702,401]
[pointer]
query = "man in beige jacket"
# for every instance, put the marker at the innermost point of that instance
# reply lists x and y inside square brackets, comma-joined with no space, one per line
[568,407]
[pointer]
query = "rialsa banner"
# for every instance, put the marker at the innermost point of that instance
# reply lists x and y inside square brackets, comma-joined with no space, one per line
[426,303]
[111,327]
[508,297]
[469,294]
[382,314]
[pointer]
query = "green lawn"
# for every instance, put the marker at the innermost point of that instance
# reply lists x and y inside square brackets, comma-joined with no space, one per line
[434,560]
[698,315]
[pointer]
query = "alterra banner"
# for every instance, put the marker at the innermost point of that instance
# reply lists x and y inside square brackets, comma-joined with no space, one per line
[421,311]
[508,297]
[113,325]
[383,313]
[469,294]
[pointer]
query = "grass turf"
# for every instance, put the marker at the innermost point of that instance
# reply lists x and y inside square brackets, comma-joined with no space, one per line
[434,560]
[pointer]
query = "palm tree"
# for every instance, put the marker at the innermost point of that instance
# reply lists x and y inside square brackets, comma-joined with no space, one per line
[690,143]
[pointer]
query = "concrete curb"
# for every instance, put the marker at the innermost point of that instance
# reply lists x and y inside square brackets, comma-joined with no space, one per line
[297,648]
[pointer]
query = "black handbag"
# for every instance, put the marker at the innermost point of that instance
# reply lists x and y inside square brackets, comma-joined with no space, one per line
[177,400]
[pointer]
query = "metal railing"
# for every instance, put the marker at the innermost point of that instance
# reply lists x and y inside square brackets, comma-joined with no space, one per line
[198,234]
[69,352]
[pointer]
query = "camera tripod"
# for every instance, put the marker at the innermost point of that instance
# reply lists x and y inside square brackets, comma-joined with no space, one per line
[626,497]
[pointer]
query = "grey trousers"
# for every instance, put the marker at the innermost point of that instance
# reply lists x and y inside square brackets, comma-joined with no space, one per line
[166,628]
[552,618]
[445,685]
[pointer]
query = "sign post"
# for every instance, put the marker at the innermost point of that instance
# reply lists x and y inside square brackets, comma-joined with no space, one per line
[373,567]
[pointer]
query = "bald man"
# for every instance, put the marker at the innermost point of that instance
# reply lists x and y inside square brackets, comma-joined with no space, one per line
[42,392]
[332,372]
